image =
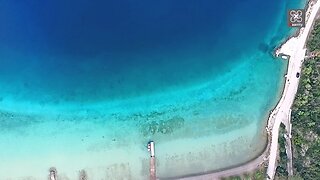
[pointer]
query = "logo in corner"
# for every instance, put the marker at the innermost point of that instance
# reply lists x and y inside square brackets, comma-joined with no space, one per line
[296,18]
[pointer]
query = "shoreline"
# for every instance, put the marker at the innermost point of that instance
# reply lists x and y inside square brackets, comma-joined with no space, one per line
[99,134]
[294,51]
[293,48]
[248,166]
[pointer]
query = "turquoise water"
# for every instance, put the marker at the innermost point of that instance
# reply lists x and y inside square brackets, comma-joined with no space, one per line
[86,85]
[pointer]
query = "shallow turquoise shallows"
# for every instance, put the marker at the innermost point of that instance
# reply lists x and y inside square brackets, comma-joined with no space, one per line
[85,85]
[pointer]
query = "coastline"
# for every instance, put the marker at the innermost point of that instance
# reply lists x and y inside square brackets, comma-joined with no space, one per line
[165,152]
[293,48]
[231,171]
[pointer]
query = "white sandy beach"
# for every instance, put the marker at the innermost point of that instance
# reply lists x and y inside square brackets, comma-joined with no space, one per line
[296,50]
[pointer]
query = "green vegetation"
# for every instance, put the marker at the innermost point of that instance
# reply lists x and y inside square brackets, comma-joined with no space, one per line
[305,119]
[259,174]
[313,43]
[306,115]
[282,171]
[306,122]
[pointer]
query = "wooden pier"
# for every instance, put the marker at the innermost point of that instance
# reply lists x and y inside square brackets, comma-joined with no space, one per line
[83,174]
[151,149]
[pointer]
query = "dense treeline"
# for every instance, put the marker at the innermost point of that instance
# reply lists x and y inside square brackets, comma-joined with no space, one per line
[313,43]
[306,115]
[282,169]
[259,174]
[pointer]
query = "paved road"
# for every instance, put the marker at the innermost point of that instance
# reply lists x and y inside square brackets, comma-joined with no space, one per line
[295,48]
[288,145]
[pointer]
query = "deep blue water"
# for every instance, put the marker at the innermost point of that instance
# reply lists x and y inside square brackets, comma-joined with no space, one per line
[112,49]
